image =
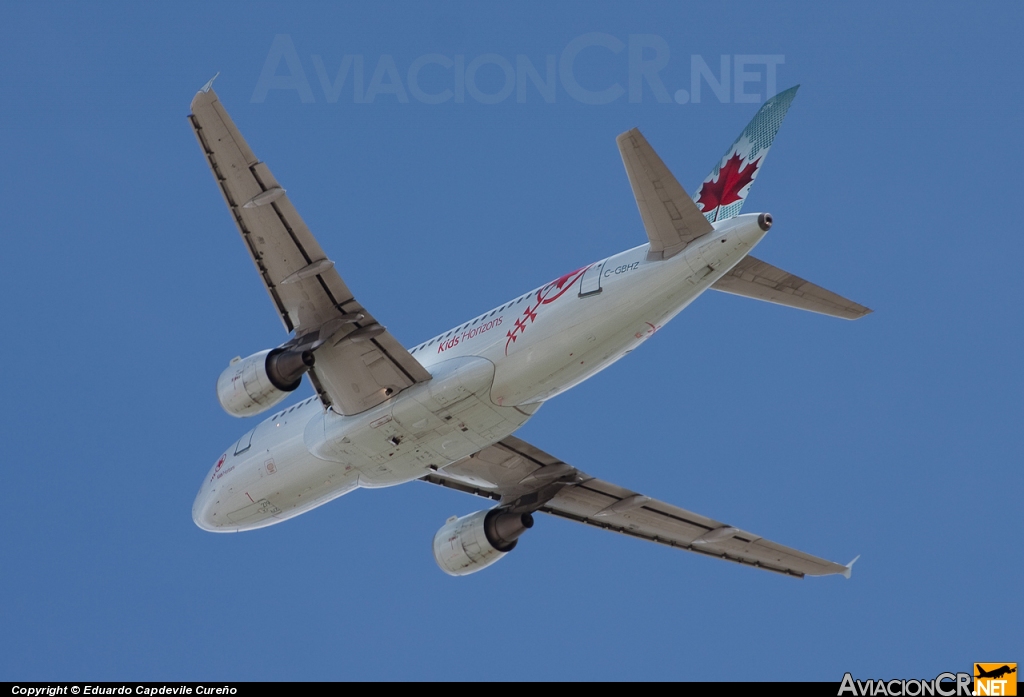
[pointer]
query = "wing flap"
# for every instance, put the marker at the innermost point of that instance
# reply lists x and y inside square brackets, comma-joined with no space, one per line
[306,289]
[584,499]
[753,278]
[670,216]
[278,240]
[676,527]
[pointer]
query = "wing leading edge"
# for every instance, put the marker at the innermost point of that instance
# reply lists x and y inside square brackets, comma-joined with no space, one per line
[359,364]
[524,478]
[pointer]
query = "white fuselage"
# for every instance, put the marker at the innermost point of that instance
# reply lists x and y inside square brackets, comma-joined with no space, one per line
[489,376]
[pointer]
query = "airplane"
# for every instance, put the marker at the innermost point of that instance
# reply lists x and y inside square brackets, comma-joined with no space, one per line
[445,411]
[995,673]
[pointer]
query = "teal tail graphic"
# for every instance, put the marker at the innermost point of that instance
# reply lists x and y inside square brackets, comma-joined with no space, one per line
[723,192]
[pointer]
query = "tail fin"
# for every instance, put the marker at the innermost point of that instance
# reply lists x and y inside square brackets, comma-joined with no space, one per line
[723,192]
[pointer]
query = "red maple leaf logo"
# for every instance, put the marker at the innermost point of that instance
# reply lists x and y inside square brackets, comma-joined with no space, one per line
[731,180]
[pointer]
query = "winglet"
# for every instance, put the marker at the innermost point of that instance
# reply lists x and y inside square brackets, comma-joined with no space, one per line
[849,567]
[209,85]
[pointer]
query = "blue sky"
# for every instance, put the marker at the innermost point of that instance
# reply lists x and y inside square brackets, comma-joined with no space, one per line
[126,290]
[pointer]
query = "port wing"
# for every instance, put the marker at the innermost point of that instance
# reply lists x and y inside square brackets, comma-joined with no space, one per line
[358,363]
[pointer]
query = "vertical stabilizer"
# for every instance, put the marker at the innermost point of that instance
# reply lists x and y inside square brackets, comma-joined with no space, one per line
[723,192]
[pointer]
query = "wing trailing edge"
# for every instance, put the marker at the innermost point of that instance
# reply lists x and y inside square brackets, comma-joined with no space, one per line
[362,364]
[516,473]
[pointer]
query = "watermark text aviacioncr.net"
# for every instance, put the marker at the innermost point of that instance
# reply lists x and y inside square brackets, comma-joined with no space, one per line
[593,68]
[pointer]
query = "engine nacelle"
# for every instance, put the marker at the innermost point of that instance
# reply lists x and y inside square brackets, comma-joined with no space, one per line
[468,544]
[252,385]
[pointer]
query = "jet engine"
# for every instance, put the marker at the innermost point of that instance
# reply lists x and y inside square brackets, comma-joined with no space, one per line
[252,385]
[468,544]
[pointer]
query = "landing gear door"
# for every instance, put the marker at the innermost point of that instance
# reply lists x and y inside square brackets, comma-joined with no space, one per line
[591,283]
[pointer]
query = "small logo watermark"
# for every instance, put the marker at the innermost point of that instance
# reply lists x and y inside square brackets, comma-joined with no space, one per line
[995,679]
[943,685]
[988,679]
[641,70]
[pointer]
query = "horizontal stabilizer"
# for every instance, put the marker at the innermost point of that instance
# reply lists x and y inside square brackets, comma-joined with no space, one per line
[752,278]
[671,218]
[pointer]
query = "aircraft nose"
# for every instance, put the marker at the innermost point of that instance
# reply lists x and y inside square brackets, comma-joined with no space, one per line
[204,512]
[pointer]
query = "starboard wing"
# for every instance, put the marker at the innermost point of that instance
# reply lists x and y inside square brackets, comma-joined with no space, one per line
[525,478]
